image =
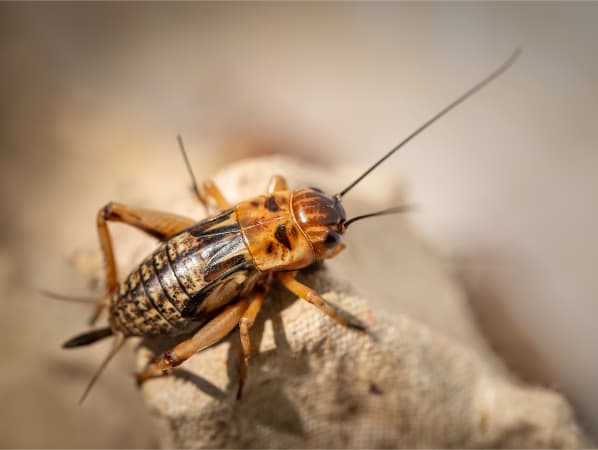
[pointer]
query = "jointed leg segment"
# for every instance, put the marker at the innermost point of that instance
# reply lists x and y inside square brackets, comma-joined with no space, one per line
[211,190]
[308,294]
[246,322]
[277,183]
[155,223]
[215,330]
[241,313]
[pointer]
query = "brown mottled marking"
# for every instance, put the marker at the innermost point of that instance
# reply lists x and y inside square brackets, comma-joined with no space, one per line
[167,279]
[145,270]
[259,230]
[281,235]
[159,297]
[271,204]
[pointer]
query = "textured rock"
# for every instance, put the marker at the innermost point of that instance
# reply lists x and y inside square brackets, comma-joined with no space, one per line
[313,383]
[424,382]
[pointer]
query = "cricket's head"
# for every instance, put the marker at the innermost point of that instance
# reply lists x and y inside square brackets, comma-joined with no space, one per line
[322,219]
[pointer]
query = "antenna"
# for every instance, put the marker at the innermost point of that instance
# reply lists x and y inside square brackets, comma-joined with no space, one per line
[503,67]
[384,212]
[194,184]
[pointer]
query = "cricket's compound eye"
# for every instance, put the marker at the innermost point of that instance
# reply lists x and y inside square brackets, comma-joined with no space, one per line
[332,239]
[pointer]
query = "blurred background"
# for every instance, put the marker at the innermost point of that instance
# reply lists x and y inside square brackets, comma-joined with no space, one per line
[93,96]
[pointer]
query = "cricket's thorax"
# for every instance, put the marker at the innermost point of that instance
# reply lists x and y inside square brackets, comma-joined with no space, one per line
[271,233]
[290,230]
[197,270]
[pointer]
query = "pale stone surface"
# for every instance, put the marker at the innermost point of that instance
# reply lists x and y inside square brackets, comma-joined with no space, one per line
[424,377]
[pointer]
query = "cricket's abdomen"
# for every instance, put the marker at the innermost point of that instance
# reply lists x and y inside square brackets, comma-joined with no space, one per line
[194,272]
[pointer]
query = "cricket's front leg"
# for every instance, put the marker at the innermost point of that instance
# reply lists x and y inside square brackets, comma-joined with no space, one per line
[211,190]
[308,294]
[208,188]
[277,183]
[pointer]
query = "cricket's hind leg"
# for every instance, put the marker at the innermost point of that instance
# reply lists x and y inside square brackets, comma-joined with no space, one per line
[242,313]
[157,224]
[213,331]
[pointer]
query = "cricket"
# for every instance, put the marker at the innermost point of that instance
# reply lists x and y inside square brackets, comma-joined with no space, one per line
[211,276]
